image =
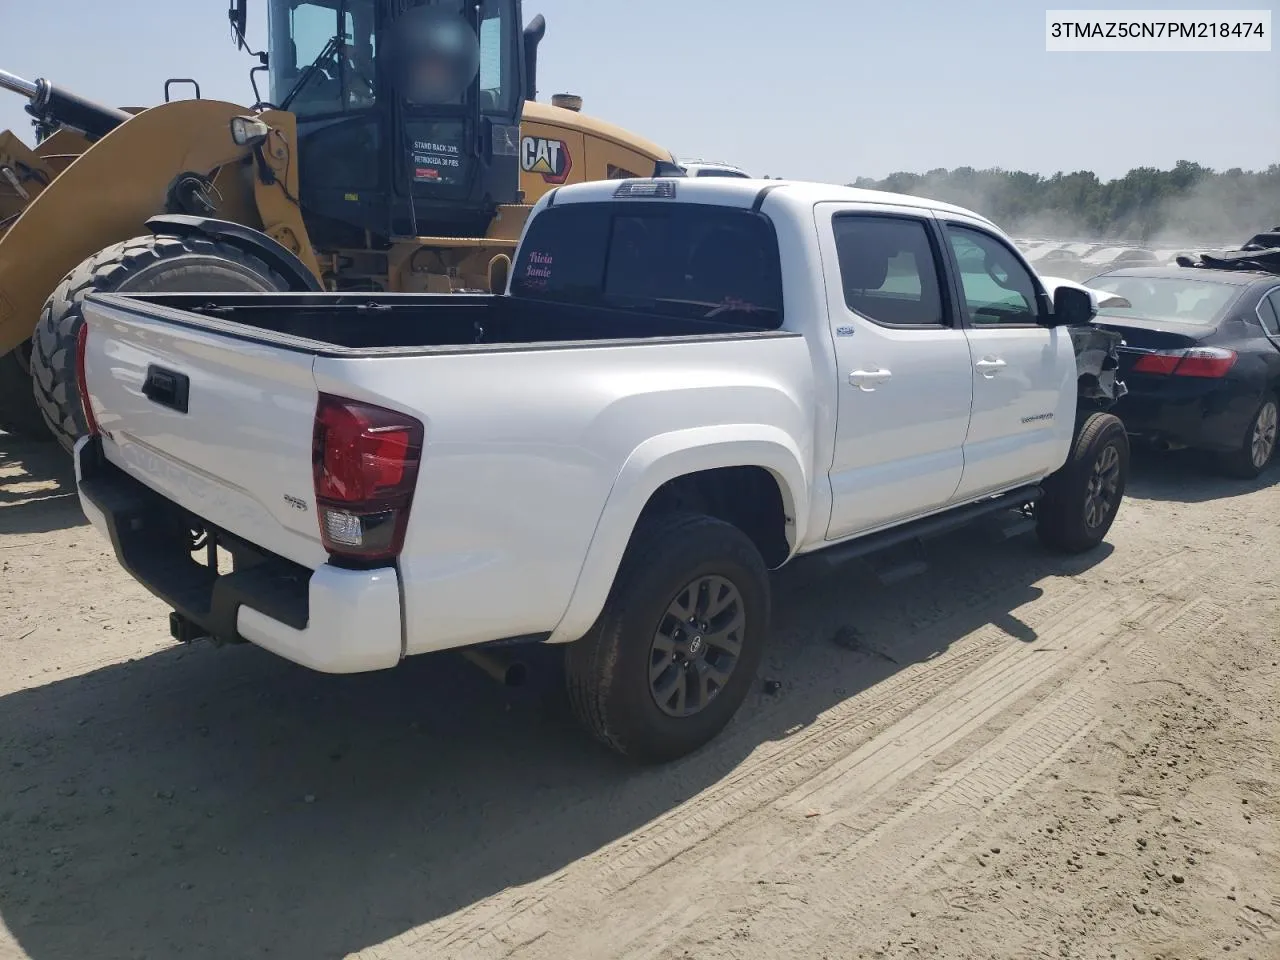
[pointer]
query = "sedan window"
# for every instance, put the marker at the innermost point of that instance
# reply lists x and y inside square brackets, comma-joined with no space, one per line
[1168,298]
[1269,313]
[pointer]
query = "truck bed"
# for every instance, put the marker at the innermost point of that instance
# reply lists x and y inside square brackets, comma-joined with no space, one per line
[342,324]
[530,413]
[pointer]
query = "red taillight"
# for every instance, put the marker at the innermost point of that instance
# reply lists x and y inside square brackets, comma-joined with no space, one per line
[1161,364]
[1198,362]
[82,342]
[364,462]
[1206,362]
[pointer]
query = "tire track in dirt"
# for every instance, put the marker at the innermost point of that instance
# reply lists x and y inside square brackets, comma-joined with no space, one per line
[893,851]
[848,791]
[996,773]
[768,774]
[503,923]
[744,860]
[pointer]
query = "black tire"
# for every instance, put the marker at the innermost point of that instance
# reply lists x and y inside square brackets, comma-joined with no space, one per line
[152,264]
[1082,498]
[1258,445]
[610,672]
[19,414]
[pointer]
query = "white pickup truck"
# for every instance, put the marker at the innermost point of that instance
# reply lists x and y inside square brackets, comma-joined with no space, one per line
[686,384]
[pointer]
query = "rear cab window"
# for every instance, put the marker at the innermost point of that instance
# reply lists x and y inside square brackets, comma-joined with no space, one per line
[693,261]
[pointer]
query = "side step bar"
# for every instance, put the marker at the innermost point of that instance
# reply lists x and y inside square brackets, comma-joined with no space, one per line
[930,526]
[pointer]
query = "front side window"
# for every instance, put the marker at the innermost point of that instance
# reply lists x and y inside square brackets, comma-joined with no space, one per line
[685,260]
[322,55]
[889,270]
[498,38]
[439,48]
[997,288]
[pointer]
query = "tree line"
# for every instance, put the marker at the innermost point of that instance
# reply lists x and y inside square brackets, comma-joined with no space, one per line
[1188,204]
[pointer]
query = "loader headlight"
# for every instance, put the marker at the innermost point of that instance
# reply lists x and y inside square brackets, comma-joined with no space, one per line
[248,131]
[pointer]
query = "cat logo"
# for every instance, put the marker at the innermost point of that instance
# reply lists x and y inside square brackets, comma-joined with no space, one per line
[548,158]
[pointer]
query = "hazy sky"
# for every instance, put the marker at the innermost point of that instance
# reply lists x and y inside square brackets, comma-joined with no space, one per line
[818,89]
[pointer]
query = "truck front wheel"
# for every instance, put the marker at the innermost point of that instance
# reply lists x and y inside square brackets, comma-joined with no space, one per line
[672,656]
[153,264]
[1082,498]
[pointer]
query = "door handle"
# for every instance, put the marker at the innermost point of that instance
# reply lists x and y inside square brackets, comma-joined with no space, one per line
[990,366]
[167,388]
[865,380]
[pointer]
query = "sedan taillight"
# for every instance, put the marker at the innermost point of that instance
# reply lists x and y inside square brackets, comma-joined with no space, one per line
[1210,362]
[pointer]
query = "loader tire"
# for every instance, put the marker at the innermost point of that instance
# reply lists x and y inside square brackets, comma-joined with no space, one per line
[19,414]
[151,264]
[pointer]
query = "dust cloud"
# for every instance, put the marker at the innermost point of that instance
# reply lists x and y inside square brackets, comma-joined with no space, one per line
[1189,206]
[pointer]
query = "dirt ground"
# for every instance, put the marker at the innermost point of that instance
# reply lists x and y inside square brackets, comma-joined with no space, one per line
[1011,755]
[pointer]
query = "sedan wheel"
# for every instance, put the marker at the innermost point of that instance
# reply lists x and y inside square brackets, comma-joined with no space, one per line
[1264,435]
[1257,448]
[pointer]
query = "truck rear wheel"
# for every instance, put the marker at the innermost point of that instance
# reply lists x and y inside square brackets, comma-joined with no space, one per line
[674,652]
[1082,499]
[152,264]
[19,414]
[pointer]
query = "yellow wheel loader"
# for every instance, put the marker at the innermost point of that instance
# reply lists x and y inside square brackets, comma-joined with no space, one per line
[401,148]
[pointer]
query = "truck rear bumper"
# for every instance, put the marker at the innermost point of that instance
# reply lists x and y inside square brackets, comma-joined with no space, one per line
[329,619]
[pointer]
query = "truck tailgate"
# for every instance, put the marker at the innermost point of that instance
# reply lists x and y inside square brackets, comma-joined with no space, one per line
[221,426]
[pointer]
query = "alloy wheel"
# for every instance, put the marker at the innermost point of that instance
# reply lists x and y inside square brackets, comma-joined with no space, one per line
[1263,442]
[696,646]
[1104,487]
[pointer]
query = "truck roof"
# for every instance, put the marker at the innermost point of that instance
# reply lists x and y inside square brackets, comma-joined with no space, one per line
[737,192]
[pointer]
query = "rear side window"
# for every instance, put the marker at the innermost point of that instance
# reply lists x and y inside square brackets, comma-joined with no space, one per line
[1269,312]
[889,270]
[686,260]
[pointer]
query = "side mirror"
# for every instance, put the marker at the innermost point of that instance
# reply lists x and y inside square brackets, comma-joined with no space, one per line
[1072,307]
[238,14]
[499,271]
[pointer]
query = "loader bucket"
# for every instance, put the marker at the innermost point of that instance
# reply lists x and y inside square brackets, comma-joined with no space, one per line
[101,194]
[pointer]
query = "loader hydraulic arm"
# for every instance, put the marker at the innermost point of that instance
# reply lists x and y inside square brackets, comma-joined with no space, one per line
[53,106]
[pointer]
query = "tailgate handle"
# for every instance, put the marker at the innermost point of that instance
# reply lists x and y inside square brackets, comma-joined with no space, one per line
[167,388]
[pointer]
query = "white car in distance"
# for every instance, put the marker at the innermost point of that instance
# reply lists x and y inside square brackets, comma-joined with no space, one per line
[707,168]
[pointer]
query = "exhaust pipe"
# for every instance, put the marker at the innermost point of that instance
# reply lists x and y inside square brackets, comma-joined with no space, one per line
[533,34]
[498,666]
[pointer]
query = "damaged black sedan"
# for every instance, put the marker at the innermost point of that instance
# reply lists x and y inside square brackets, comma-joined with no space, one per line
[1201,353]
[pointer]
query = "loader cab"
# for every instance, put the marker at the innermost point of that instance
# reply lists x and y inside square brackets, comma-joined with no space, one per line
[408,112]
